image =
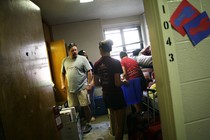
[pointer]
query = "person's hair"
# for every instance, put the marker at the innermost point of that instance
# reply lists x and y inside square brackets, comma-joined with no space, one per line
[81,52]
[136,52]
[106,45]
[123,54]
[146,50]
[71,45]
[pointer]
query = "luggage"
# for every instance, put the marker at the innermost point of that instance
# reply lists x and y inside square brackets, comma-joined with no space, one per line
[140,129]
[153,132]
[145,126]
[100,108]
[136,124]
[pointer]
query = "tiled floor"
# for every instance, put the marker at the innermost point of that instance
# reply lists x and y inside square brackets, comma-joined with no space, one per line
[101,130]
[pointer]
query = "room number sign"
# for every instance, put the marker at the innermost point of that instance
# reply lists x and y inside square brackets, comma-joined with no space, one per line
[166,27]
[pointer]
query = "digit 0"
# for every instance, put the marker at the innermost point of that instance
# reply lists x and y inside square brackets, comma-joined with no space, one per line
[166,25]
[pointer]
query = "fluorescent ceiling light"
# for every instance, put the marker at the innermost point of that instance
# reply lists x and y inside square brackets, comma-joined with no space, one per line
[84,1]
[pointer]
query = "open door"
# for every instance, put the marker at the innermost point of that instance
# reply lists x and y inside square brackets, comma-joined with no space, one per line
[57,51]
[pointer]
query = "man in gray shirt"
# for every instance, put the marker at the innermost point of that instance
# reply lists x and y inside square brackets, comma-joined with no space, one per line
[77,71]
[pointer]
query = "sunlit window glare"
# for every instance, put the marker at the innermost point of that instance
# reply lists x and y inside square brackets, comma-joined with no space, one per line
[85,1]
[125,39]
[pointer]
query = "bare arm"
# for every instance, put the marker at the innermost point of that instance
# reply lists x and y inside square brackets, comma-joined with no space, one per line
[63,78]
[118,81]
[124,72]
[89,79]
[96,81]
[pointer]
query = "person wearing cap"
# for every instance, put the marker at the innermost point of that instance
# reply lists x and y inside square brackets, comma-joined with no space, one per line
[77,71]
[107,72]
[90,92]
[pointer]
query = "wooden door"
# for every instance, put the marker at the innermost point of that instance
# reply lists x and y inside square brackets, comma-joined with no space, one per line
[26,94]
[57,52]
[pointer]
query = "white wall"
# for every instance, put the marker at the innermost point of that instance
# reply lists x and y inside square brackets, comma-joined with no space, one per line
[145,32]
[85,34]
[183,84]
[123,21]
[138,20]
[193,64]
[88,34]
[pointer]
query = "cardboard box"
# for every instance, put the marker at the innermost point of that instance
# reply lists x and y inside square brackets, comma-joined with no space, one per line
[71,128]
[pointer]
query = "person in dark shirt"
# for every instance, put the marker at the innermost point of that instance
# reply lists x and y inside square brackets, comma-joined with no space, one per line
[84,53]
[107,71]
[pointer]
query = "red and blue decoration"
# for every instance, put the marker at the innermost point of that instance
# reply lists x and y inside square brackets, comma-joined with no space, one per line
[184,13]
[198,28]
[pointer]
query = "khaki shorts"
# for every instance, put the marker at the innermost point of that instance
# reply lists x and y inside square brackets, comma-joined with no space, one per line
[80,98]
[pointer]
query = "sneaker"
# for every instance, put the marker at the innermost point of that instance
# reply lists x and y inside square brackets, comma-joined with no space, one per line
[93,119]
[86,129]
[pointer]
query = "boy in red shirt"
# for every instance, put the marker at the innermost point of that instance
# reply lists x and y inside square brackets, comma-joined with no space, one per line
[132,73]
